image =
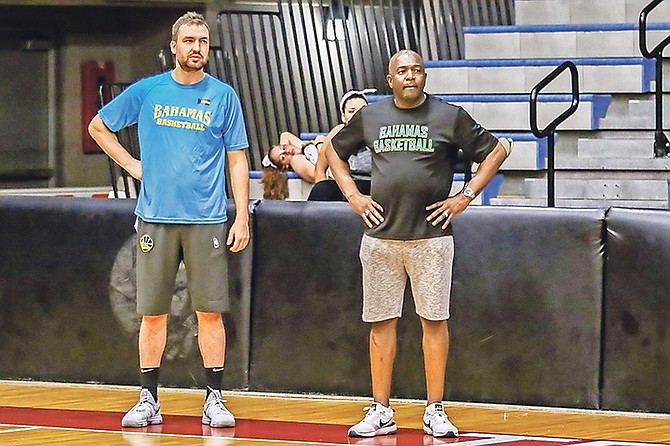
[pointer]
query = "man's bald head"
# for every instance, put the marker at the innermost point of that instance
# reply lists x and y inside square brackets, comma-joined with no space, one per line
[403,54]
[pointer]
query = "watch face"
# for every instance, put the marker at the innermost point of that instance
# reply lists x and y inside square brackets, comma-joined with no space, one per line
[468,192]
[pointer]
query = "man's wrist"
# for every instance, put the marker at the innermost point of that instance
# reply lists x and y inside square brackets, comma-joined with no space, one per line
[469,193]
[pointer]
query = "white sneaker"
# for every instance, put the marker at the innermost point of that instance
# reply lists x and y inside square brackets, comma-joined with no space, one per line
[378,421]
[214,413]
[147,411]
[436,422]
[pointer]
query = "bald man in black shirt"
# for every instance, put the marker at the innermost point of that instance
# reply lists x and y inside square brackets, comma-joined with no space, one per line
[414,138]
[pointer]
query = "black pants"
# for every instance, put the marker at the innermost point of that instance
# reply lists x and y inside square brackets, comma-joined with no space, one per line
[327,190]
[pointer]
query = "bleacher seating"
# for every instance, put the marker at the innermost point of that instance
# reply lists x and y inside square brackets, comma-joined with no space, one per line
[596,75]
[543,12]
[604,157]
[559,41]
[530,152]
[506,112]
[602,143]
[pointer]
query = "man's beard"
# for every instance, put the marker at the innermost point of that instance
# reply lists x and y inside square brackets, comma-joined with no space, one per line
[189,67]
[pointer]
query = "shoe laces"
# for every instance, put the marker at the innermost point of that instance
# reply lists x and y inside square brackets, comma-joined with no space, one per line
[438,413]
[374,411]
[144,405]
[218,401]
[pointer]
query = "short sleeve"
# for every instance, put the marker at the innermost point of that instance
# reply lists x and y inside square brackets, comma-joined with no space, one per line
[475,140]
[124,110]
[350,138]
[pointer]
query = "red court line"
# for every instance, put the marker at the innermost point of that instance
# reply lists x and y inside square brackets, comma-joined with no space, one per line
[290,431]
[190,425]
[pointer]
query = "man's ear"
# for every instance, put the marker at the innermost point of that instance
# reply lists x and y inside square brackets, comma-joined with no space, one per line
[173,47]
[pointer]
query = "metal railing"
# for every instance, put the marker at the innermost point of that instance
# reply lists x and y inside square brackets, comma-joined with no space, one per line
[661,143]
[549,131]
[128,139]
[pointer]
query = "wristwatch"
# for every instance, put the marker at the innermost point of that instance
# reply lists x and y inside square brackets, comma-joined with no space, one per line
[468,192]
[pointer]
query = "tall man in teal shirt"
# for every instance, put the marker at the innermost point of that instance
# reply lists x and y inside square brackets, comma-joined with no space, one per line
[189,125]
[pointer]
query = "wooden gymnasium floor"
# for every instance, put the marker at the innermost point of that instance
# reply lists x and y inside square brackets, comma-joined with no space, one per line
[34,413]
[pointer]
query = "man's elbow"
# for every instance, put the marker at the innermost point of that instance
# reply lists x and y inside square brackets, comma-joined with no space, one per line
[506,144]
[95,126]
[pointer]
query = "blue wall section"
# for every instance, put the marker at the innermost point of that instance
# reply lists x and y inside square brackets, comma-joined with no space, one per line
[556,307]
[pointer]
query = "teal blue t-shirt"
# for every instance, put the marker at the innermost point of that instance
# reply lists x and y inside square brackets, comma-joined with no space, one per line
[184,132]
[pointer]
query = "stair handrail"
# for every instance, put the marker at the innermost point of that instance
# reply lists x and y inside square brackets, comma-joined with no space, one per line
[658,49]
[661,143]
[550,130]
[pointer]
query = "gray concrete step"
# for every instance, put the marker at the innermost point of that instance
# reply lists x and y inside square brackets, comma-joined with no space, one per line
[614,164]
[577,203]
[481,76]
[626,148]
[600,189]
[634,112]
[543,12]
[556,41]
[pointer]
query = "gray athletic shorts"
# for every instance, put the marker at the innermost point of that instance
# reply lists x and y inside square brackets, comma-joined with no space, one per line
[161,248]
[388,263]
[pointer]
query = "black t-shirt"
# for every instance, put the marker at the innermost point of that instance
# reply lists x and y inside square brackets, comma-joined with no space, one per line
[413,156]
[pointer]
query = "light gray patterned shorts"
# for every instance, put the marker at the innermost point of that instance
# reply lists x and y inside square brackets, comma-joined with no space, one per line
[388,263]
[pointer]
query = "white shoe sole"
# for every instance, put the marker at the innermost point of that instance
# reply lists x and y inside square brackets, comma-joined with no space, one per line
[448,434]
[208,421]
[383,431]
[151,421]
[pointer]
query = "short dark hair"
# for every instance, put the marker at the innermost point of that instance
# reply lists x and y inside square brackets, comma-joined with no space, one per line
[190,18]
[352,94]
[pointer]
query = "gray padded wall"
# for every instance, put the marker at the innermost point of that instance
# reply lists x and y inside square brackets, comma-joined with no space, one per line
[637,311]
[526,306]
[67,298]
[526,318]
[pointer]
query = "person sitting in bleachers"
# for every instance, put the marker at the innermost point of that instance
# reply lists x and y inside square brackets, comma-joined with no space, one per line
[360,163]
[291,153]
[306,159]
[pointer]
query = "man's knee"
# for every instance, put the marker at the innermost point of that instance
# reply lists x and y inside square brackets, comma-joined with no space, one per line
[155,321]
[209,318]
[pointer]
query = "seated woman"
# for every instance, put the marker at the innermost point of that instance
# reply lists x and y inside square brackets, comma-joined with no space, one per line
[360,163]
[291,153]
[305,158]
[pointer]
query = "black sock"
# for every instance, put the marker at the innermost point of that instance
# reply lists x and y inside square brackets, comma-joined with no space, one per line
[149,380]
[214,377]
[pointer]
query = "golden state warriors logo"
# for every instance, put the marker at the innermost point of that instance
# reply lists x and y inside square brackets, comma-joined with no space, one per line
[146,243]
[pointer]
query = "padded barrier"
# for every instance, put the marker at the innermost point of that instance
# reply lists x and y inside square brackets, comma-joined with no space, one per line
[526,319]
[525,306]
[67,297]
[637,311]
[305,323]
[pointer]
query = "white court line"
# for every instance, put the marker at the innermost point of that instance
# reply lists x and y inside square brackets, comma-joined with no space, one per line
[485,439]
[21,429]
